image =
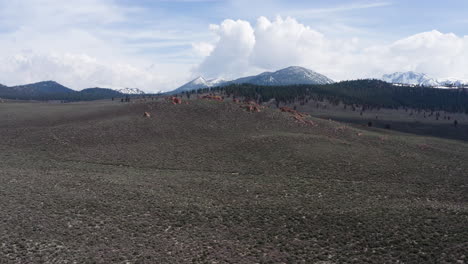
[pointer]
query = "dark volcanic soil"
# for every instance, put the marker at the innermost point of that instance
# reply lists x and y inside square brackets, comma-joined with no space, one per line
[209,182]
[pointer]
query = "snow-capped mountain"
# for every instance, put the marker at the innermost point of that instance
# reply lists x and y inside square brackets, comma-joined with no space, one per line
[412,78]
[287,76]
[216,82]
[453,82]
[130,91]
[421,79]
[199,83]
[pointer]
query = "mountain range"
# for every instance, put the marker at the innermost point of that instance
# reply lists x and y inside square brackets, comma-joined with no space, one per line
[299,75]
[287,76]
[50,90]
[421,79]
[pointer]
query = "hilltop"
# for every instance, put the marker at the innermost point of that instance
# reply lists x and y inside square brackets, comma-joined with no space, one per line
[422,79]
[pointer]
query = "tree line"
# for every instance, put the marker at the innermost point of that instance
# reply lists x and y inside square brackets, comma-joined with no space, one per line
[365,93]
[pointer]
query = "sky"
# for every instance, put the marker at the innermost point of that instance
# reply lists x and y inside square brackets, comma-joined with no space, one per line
[158,45]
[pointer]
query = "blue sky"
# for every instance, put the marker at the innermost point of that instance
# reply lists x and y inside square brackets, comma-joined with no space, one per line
[377,21]
[160,44]
[401,18]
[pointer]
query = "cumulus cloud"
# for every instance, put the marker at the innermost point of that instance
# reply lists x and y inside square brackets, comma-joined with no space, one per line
[283,42]
[270,45]
[232,51]
[202,49]
[437,54]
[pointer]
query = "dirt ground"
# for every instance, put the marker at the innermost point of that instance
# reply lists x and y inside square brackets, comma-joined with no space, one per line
[208,182]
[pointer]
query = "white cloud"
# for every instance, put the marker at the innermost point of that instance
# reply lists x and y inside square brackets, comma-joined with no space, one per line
[271,45]
[203,48]
[232,51]
[282,43]
[79,70]
[77,44]
[437,54]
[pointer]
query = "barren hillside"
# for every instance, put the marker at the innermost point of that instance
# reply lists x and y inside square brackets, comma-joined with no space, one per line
[208,181]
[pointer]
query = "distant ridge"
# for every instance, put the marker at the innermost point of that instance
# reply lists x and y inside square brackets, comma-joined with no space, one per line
[287,76]
[422,79]
[453,82]
[47,87]
[412,78]
[51,90]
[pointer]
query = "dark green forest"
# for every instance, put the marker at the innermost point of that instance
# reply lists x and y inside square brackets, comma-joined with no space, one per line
[365,93]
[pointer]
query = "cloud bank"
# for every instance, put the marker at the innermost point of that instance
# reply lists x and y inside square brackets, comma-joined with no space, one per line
[82,44]
[73,70]
[269,45]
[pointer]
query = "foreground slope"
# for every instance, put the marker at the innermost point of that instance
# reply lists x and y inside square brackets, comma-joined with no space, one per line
[209,182]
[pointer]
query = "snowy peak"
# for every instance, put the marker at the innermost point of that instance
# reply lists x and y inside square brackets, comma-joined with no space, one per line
[421,79]
[300,75]
[199,83]
[453,82]
[287,76]
[130,91]
[216,81]
[195,84]
[412,78]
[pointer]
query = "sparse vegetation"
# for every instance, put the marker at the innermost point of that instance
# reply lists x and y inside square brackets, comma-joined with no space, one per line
[210,182]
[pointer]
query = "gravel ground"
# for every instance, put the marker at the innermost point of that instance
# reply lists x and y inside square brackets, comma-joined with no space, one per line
[207,182]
